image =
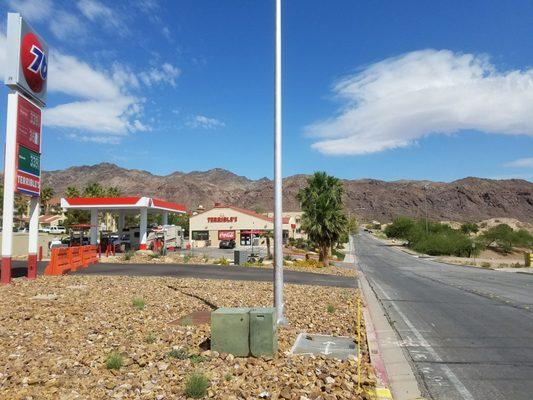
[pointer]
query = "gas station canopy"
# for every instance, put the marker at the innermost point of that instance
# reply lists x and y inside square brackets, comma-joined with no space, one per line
[122,206]
[131,204]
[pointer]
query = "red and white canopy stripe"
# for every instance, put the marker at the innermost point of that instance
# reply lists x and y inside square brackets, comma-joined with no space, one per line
[121,203]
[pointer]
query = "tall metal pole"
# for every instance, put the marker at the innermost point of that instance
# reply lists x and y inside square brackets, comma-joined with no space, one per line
[278,227]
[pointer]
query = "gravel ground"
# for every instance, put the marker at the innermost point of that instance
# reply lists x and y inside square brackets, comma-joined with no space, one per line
[56,333]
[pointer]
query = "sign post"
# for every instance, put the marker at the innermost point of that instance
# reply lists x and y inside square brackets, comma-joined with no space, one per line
[278,227]
[26,76]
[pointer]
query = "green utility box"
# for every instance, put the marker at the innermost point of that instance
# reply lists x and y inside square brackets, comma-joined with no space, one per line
[263,332]
[230,331]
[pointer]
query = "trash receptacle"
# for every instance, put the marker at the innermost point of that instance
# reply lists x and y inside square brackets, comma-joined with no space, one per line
[240,257]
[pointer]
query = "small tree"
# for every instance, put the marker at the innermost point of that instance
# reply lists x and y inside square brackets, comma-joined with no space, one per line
[323,216]
[469,227]
[46,195]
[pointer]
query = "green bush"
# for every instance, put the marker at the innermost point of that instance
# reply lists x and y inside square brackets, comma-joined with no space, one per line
[505,238]
[150,338]
[139,303]
[114,361]
[433,238]
[331,308]
[128,255]
[196,386]
[400,228]
[180,354]
[469,227]
[222,261]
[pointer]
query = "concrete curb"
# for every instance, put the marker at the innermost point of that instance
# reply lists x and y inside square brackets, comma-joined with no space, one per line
[386,355]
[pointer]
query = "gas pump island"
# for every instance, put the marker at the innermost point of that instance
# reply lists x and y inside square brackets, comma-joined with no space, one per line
[26,77]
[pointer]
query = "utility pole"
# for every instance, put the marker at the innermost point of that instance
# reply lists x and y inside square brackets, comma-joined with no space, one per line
[426,203]
[278,227]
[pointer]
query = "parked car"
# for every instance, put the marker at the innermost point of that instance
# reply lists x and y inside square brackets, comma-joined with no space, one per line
[57,229]
[227,244]
[44,229]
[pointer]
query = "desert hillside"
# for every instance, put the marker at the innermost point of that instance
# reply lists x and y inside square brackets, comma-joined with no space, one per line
[468,199]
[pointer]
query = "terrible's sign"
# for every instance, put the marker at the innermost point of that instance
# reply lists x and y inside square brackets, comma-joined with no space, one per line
[27,59]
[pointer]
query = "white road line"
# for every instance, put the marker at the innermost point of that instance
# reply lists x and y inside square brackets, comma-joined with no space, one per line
[458,385]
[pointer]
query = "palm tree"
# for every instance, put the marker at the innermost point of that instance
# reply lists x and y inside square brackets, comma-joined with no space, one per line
[46,195]
[323,218]
[113,191]
[268,235]
[94,189]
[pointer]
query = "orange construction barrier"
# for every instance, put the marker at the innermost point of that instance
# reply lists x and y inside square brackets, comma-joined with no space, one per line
[66,259]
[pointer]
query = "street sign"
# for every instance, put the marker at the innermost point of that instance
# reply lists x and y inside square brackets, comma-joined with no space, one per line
[27,59]
[28,184]
[28,124]
[29,161]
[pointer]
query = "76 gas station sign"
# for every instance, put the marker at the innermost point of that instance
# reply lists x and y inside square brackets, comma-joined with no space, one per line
[26,76]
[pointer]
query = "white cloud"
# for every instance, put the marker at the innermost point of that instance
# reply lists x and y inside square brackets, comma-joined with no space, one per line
[32,10]
[201,121]
[395,102]
[520,163]
[105,16]
[166,74]
[67,26]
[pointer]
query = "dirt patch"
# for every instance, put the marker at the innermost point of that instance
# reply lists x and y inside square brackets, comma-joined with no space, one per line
[56,347]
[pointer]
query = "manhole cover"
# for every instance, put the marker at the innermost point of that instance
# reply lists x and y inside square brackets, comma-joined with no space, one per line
[194,318]
[341,347]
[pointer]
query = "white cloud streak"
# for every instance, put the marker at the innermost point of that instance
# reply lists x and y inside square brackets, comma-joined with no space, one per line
[395,102]
[104,104]
[520,163]
[203,122]
[33,10]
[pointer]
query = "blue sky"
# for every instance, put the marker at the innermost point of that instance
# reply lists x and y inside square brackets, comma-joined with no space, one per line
[377,89]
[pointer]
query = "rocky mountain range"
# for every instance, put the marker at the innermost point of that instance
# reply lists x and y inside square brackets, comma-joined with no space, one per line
[468,199]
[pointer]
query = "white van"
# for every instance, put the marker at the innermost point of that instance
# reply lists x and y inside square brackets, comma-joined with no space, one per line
[57,229]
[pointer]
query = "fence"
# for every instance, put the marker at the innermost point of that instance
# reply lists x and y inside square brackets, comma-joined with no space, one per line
[65,259]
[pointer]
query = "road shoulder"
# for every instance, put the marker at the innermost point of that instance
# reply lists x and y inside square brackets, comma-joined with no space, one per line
[387,356]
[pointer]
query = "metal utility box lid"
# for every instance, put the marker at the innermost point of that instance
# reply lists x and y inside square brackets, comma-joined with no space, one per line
[230,331]
[263,332]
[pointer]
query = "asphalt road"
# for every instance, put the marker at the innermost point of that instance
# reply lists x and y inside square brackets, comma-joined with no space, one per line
[468,331]
[202,272]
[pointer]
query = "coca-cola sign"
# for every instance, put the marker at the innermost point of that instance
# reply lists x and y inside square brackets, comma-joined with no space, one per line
[226,235]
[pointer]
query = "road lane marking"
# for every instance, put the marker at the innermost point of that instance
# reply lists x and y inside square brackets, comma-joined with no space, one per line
[457,384]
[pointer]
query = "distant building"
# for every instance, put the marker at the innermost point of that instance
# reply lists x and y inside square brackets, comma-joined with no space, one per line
[296,218]
[229,222]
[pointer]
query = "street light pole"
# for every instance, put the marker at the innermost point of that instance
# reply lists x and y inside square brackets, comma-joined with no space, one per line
[278,227]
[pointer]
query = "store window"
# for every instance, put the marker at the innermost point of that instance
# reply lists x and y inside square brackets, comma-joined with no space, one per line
[200,235]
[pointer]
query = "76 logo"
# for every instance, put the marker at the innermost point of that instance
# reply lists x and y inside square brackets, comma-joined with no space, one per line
[39,63]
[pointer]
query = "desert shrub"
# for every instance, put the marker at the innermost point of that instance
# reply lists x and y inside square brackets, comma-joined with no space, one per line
[309,263]
[139,303]
[469,227]
[331,308]
[180,354]
[340,255]
[128,255]
[505,238]
[155,255]
[222,261]
[485,264]
[114,361]
[196,385]
[150,338]
[400,228]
